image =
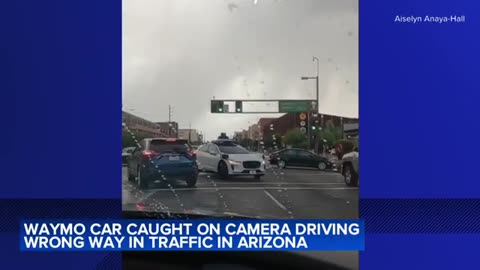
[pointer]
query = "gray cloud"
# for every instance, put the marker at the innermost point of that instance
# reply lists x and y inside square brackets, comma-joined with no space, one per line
[185,52]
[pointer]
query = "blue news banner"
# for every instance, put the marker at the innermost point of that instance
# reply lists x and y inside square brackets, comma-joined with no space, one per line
[123,235]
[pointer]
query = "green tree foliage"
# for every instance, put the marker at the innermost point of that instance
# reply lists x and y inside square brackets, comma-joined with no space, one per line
[129,141]
[331,135]
[295,138]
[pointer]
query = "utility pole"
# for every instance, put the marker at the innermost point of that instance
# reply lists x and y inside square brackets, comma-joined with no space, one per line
[308,128]
[317,89]
[316,99]
[169,113]
[169,120]
[189,132]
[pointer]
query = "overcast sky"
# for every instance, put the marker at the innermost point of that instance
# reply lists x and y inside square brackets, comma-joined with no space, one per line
[185,52]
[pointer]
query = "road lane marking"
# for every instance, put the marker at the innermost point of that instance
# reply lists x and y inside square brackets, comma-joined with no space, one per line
[273,183]
[307,174]
[276,201]
[254,188]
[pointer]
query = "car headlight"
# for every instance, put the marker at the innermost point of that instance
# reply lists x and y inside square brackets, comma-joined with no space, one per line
[233,162]
[263,162]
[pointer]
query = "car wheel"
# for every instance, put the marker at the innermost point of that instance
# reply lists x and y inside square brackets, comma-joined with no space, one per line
[350,176]
[191,182]
[140,180]
[223,170]
[322,165]
[282,164]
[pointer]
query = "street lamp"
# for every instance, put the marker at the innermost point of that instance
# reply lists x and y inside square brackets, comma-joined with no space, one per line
[316,94]
[314,78]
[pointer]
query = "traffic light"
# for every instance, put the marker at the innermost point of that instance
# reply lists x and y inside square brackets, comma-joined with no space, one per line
[302,120]
[315,125]
[216,106]
[238,106]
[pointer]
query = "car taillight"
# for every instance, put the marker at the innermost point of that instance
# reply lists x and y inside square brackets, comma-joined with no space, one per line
[149,153]
[192,153]
[140,206]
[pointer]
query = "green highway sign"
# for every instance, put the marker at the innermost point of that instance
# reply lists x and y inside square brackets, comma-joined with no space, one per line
[288,106]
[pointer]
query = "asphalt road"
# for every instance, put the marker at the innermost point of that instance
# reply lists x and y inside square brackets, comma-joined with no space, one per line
[287,193]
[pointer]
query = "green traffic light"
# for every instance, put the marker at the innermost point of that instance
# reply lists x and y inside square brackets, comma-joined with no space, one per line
[238,106]
[216,106]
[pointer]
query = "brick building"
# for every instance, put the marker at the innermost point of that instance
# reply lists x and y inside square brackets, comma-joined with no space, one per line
[143,127]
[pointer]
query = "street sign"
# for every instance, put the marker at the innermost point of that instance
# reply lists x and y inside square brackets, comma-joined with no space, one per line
[303,116]
[302,123]
[303,130]
[286,106]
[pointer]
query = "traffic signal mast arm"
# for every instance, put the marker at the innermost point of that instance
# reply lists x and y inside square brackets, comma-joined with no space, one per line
[284,106]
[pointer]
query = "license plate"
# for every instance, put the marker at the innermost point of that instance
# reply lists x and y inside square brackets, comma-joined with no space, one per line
[253,172]
[174,158]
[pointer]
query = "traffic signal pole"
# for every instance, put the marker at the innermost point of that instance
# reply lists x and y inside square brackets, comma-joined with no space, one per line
[308,127]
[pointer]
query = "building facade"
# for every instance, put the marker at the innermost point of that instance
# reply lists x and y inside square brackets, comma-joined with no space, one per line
[142,127]
[189,134]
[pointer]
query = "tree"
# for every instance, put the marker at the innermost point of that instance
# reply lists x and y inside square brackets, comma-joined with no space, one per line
[295,138]
[127,139]
[269,138]
[331,135]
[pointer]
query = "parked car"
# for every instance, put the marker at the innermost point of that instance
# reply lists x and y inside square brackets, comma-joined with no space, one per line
[300,158]
[349,168]
[162,159]
[126,153]
[227,158]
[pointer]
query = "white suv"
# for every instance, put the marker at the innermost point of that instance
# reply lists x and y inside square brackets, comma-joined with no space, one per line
[349,168]
[227,158]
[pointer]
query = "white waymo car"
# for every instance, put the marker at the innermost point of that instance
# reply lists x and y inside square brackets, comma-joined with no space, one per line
[227,158]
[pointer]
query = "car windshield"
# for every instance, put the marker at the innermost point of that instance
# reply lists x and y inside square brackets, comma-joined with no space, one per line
[237,77]
[233,149]
[167,146]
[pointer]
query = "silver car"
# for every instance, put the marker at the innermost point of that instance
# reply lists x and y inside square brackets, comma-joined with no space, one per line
[349,169]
